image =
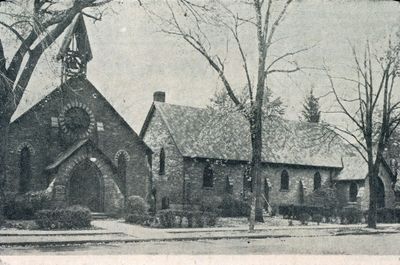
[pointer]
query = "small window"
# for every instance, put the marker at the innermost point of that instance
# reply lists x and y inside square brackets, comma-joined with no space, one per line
[284,180]
[100,127]
[25,175]
[162,162]
[208,177]
[122,165]
[165,203]
[247,181]
[317,181]
[229,185]
[54,122]
[353,192]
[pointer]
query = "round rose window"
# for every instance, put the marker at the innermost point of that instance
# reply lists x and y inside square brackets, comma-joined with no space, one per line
[77,120]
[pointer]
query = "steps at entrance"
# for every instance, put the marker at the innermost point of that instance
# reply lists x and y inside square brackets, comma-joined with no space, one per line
[99,216]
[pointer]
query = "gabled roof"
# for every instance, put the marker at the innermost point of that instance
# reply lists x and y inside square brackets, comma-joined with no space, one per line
[61,157]
[81,82]
[206,133]
[356,168]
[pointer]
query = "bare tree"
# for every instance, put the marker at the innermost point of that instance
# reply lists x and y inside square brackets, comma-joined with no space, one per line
[36,24]
[373,111]
[196,21]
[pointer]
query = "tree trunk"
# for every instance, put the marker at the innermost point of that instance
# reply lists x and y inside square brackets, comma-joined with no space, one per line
[4,125]
[255,172]
[372,198]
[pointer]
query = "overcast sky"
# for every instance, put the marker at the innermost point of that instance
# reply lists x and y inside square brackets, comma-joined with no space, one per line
[132,59]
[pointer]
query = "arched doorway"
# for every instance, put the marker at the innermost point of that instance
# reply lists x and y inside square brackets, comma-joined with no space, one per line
[86,187]
[380,193]
[353,192]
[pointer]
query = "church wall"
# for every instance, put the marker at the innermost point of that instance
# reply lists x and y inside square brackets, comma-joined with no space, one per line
[35,128]
[296,174]
[194,174]
[169,185]
[117,137]
[343,191]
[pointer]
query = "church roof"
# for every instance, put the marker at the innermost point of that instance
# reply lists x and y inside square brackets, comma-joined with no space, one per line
[206,133]
[67,153]
[356,168]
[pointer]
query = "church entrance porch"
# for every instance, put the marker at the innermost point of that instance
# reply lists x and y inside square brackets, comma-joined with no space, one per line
[83,175]
[86,187]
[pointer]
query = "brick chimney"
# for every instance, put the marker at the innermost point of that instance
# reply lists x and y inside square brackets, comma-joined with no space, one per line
[159,96]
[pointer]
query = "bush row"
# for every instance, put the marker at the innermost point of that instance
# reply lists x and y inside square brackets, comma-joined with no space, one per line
[387,215]
[303,213]
[177,218]
[226,206]
[72,217]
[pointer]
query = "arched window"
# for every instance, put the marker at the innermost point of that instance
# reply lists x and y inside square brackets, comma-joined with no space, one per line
[247,183]
[165,203]
[284,180]
[25,170]
[317,181]
[208,176]
[161,170]
[301,192]
[122,171]
[353,191]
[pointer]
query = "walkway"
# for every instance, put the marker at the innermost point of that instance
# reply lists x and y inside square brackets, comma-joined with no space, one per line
[111,230]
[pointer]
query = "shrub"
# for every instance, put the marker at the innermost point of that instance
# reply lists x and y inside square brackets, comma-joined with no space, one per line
[232,207]
[198,219]
[2,220]
[317,218]
[242,208]
[210,203]
[323,198]
[137,218]
[388,215]
[350,215]
[72,217]
[136,205]
[24,206]
[304,218]
[211,219]
[167,218]
[174,218]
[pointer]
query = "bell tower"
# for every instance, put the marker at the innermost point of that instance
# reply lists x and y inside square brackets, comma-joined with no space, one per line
[75,51]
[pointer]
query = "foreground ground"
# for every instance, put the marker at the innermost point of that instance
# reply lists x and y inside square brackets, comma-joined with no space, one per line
[380,244]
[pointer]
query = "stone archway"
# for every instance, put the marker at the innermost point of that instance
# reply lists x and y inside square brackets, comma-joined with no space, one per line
[86,186]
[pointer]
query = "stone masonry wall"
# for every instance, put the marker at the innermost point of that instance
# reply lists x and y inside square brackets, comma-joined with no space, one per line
[112,197]
[34,128]
[194,177]
[170,184]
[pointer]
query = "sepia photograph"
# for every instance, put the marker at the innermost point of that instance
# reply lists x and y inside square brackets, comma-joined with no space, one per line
[214,130]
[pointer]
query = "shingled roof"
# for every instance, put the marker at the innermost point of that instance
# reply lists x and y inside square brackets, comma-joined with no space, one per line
[206,133]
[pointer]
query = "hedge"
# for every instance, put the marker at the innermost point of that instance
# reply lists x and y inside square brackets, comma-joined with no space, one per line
[72,217]
[295,211]
[175,218]
[232,207]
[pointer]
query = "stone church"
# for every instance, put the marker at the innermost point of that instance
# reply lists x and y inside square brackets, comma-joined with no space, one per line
[74,144]
[202,152]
